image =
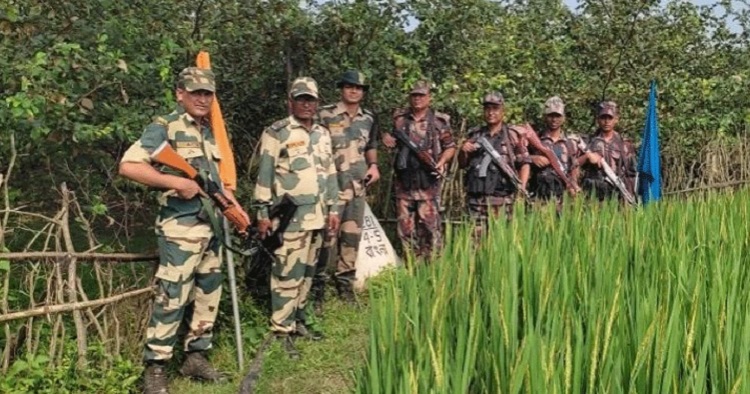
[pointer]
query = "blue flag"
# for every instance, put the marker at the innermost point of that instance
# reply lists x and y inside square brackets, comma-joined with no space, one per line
[649,165]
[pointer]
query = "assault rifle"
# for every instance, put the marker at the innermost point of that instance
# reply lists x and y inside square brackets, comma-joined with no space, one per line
[611,177]
[424,156]
[283,211]
[494,156]
[167,156]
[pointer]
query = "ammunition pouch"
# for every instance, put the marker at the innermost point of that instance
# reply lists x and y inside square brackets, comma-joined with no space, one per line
[548,185]
[411,172]
[486,178]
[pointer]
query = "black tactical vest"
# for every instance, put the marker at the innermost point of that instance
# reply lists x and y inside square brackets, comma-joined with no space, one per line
[495,182]
[412,174]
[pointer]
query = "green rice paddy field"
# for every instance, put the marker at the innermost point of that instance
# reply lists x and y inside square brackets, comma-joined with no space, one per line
[609,300]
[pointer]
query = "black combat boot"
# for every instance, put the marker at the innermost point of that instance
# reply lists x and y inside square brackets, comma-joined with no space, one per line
[197,366]
[317,295]
[306,332]
[318,288]
[155,379]
[345,287]
[287,343]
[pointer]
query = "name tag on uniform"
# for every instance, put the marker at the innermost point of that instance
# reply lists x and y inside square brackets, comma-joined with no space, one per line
[295,144]
[187,144]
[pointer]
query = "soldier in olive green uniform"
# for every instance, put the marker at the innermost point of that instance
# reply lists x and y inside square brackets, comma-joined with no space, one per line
[354,132]
[417,188]
[296,159]
[190,268]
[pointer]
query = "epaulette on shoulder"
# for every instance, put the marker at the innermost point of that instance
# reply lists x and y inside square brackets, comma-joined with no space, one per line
[279,124]
[400,112]
[161,120]
[328,106]
[444,117]
[368,112]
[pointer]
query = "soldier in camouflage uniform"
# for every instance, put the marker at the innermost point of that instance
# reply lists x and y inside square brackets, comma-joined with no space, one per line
[545,184]
[489,191]
[296,159]
[189,272]
[354,132]
[416,188]
[607,144]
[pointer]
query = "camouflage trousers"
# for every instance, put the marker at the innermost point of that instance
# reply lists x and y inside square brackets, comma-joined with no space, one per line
[419,226]
[291,278]
[346,243]
[482,207]
[188,289]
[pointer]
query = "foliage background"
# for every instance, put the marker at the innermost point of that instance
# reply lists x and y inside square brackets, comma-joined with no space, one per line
[81,80]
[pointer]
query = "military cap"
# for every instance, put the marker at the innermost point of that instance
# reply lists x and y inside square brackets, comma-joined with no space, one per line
[607,108]
[304,86]
[352,77]
[420,87]
[194,78]
[554,105]
[493,98]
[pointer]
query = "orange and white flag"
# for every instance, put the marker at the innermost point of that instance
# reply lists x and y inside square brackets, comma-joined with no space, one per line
[227,170]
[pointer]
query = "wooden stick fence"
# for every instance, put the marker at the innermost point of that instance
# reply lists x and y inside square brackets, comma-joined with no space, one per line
[63,290]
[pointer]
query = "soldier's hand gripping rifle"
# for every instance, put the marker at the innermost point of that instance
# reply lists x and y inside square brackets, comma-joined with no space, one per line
[167,156]
[608,172]
[495,157]
[554,161]
[283,211]
[424,156]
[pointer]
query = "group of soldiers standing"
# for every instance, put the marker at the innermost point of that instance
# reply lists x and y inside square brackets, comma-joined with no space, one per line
[324,159]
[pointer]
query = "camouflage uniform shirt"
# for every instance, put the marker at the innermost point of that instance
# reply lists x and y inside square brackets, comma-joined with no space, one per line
[298,162]
[351,137]
[179,217]
[565,150]
[437,142]
[618,152]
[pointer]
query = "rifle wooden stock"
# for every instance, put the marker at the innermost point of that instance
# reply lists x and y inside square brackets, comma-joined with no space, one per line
[167,156]
[554,161]
[164,154]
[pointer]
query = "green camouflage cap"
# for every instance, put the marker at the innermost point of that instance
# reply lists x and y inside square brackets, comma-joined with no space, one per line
[194,78]
[304,86]
[420,87]
[493,98]
[352,77]
[607,108]
[554,105]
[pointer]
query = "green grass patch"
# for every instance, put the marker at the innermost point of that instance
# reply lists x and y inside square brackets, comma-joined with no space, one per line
[326,366]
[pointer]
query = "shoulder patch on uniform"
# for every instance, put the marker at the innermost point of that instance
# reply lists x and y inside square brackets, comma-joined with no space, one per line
[367,112]
[328,106]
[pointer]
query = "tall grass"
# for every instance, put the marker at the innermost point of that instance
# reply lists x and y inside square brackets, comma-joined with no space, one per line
[598,301]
